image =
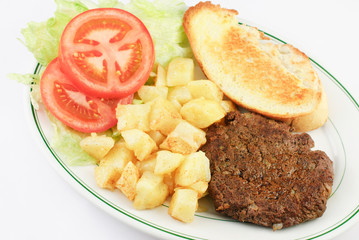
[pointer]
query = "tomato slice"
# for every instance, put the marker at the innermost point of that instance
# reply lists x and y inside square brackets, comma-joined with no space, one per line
[74,108]
[107,52]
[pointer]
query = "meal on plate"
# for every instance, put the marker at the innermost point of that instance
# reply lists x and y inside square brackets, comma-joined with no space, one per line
[175,103]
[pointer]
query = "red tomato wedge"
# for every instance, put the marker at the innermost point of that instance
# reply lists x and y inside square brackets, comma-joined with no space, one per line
[106,52]
[74,108]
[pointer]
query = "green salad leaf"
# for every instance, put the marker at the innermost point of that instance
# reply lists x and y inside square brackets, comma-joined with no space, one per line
[26,79]
[32,80]
[67,142]
[163,20]
[42,39]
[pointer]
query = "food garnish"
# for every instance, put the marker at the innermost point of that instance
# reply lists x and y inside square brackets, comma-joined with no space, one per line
[106,52]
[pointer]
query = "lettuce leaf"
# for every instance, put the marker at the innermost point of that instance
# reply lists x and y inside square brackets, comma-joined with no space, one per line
[163,20]
[42,39]
[67,142]
[33,81]
[26,79]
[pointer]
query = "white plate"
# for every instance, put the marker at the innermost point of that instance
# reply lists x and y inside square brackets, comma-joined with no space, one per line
[336,138]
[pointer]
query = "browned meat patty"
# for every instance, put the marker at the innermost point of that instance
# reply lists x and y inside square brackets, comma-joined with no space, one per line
[264,174]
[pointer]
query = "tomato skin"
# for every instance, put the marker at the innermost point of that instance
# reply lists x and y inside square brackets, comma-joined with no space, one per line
[112,103]
[74,108]
[99,60]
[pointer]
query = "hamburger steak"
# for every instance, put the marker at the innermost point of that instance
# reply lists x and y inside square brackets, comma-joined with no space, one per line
[264,174]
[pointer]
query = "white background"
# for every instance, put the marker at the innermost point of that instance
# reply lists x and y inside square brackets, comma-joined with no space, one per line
[37,203]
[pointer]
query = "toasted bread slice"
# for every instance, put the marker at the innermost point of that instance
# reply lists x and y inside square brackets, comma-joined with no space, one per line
[313,120]
[276,80]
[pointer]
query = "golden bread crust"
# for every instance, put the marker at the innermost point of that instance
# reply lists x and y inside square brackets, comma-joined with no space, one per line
[313,120]
[275,80]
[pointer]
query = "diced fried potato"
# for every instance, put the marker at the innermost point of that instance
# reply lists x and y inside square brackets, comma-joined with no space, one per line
[180,71]
[206,89]
[157,136]
[150,93]
[183,205]
[200,187]
[97,146]
[194,168]
[169,180]
[180,93]
[201,112]
[139,142]
[184,139]
[150,191]
[118,152]
[176,104]
[228,106]
[133,116]
[147,165]
[167,162]
[106,176]
[112,165]
[163,117]
[128,180]
[160,79]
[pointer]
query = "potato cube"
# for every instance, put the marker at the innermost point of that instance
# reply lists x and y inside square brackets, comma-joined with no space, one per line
[118,152]
[150,93]
[147,165]
[150,191]
[133,116]
[128,180]
[180,93]
[206,89]
[139,142]
[200,187]
[164,116]
[180,71]
[112,165]
[167,162]
[106,176]
[97,146]
[228,106]
[202,113]
[157,136]
[183,205]
[184,139]
[160,79]
[176,104]
[194,168]
[169,180]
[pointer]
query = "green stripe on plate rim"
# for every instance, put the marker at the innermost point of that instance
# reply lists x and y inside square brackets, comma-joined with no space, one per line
[182,235]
